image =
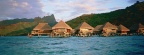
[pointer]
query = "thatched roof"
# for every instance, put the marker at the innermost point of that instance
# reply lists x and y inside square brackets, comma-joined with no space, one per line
[141,26]
[122,28]
[136,26]
[97,28]
[61,24]
[84,25]
[42,26]
[109,26]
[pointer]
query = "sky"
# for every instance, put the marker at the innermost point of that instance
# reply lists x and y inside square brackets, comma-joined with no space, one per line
[62,9]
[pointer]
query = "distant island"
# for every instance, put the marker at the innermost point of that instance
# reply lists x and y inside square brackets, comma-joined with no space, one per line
[129,16]
[20,27]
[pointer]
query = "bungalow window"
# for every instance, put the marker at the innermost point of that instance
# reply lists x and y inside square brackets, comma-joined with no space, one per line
[36,31]
[124,31]
[113,29]
[68,30]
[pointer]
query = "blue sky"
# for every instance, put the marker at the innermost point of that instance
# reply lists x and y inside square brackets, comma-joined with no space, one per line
[62,9]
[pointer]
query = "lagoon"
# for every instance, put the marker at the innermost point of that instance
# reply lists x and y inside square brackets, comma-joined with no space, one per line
[118,45]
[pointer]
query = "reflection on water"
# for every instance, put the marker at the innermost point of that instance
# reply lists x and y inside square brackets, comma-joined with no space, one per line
[119,45]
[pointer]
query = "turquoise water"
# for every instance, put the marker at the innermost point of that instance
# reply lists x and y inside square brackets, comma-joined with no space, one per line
[119,45]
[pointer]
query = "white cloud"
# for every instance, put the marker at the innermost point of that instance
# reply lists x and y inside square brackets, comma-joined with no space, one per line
[20,9]
[73,8]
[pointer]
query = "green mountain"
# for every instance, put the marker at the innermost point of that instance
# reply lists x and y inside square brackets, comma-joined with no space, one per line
[23,26]
[130,15]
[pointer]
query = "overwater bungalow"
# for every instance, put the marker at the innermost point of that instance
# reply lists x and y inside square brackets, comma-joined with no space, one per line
[61,29]
[84,29]
[137,29]
[109,29]
[122,30]
[97,29]
[42,29]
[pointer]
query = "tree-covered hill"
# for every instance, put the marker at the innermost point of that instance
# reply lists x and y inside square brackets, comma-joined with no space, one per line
[128,16]
[132,15]
[14,21]
[21,28]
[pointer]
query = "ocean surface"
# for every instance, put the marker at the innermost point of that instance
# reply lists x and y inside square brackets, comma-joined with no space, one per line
[118,45]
